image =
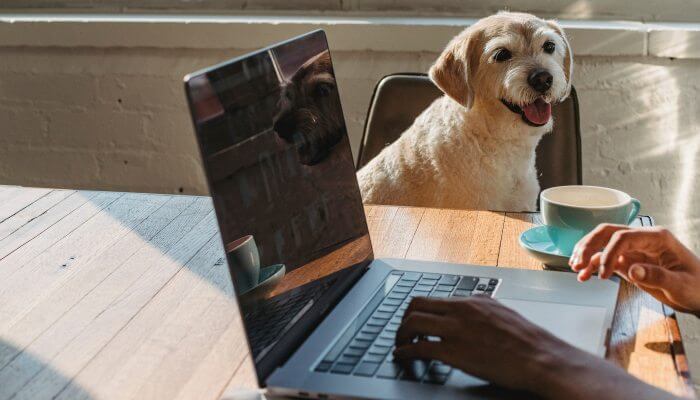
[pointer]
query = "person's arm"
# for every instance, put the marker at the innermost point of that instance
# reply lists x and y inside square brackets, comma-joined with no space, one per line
[510,351]
[584,376]
[651,258]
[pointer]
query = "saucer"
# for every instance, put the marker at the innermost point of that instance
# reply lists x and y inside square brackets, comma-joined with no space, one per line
[537,242]
[269,276]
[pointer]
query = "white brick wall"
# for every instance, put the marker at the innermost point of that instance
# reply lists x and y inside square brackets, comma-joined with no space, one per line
[117,119]
[98,118]
[640,129]
[113,117]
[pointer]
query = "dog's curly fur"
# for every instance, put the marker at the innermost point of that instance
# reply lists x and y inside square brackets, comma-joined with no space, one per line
[468,149]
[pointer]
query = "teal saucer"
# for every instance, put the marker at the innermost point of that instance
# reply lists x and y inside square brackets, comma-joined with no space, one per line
[537,242]
[271,273]
[269,276]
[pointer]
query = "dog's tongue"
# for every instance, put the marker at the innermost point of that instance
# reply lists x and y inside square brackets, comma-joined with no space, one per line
[538,112]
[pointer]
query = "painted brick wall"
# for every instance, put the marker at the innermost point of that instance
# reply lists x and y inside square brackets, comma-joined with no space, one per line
[116,119]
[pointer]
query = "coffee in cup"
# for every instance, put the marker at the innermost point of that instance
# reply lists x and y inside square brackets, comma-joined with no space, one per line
[570,212]
[244,263]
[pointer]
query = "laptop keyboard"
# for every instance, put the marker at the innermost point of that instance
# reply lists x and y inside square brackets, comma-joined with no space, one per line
[365,349]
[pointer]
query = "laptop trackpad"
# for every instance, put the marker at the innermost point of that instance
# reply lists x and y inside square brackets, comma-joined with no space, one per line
[580,326]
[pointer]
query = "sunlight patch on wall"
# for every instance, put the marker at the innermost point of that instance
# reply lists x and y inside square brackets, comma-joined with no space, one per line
[581,8]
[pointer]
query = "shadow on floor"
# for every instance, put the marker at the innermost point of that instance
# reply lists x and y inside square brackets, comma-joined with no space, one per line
[10,386]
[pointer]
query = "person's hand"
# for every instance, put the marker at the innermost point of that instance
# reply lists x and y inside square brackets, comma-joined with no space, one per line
[651,258]
[481,337]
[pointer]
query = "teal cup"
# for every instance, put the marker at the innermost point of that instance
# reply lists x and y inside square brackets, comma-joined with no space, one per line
[570,212]
[244,263]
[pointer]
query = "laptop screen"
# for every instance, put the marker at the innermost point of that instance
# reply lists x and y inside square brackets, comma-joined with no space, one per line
[281,175]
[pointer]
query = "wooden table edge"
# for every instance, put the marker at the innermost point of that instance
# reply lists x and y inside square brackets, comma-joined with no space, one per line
[680,358]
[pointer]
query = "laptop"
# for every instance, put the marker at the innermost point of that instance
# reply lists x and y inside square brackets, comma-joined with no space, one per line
[320,312]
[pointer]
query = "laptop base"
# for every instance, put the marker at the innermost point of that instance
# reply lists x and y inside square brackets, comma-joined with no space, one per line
[579,314]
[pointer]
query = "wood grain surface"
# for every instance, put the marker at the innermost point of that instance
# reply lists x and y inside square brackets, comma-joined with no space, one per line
[125,296]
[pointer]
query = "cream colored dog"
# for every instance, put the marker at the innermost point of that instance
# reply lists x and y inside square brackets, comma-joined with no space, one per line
[474,148]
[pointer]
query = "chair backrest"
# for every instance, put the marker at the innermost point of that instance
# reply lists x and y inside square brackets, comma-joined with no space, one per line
[399,98]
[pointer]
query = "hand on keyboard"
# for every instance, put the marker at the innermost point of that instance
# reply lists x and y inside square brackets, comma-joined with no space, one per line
[477,335]
[484,338]
[366,349]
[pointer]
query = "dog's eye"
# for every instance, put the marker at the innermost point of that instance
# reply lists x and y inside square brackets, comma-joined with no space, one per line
[324,89]
[548,47]
[503,55]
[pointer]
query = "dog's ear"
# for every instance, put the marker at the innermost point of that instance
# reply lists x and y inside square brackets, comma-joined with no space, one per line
[453,70]
[568,56]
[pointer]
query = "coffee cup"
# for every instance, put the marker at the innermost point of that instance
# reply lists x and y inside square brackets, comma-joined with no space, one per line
[570,212]
[244,263]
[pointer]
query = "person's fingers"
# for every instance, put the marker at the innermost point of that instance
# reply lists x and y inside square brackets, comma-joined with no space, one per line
[592,243]
[419,323]
[654,276]
[605,273]
[591,268]
[622,264]
[664,284]
[422,349]
[430,305]
[622,241]
[628,259]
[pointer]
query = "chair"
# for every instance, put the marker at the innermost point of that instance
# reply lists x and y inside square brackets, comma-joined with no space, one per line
[399,98]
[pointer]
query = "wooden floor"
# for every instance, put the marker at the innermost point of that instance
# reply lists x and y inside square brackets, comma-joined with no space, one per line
[119,295]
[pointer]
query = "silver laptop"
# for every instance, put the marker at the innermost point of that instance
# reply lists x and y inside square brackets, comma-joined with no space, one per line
[320,313]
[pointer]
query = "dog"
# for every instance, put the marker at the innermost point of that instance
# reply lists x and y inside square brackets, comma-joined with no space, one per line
[310,115]
[474,147]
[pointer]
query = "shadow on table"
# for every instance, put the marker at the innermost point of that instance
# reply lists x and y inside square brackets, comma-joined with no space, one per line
[13,381]
[182,230]
[660,347]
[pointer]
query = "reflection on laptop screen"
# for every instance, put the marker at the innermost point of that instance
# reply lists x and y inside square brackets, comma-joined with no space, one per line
[281,175]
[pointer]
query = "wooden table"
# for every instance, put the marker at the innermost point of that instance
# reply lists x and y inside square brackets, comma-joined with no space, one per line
[121,295]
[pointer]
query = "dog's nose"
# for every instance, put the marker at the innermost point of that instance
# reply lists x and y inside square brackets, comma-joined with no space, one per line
[540,80]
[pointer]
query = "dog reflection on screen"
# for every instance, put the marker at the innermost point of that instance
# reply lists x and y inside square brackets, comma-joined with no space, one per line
[310,116]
